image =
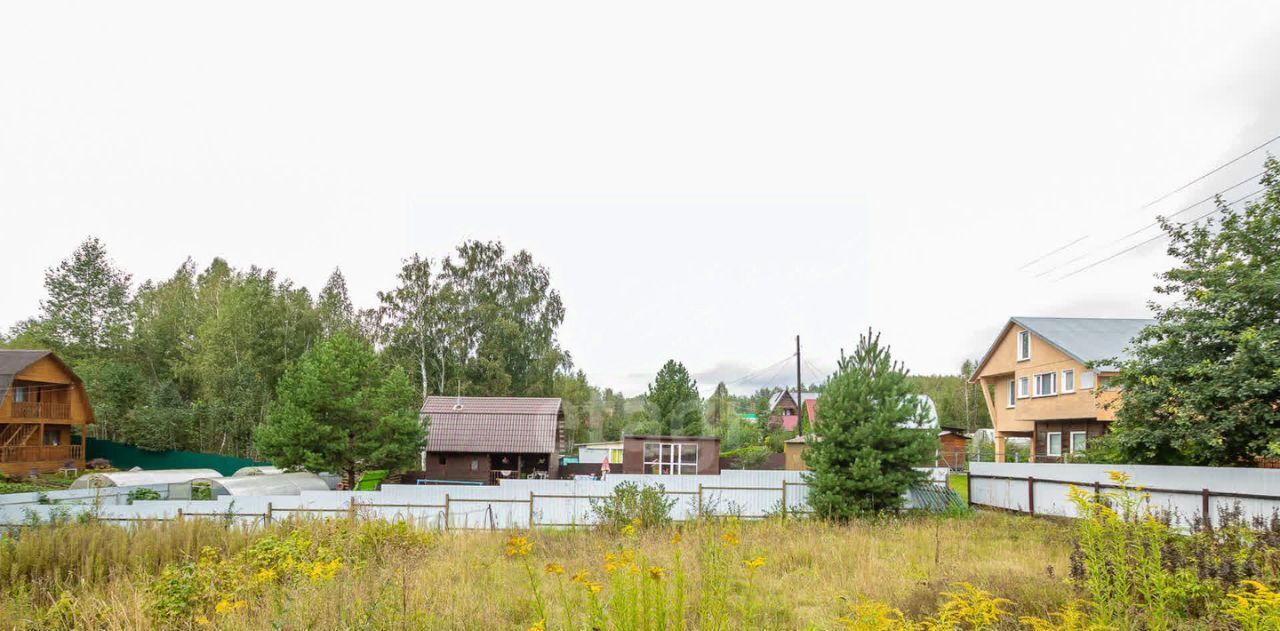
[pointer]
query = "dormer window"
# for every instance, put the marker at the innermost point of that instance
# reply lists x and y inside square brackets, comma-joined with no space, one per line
[1024,345]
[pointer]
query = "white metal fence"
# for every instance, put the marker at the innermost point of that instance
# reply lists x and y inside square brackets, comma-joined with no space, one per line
[511,504]
[1187,493]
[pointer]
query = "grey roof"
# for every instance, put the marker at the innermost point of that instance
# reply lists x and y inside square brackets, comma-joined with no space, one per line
[13,362]
[1088,339]
[492,424]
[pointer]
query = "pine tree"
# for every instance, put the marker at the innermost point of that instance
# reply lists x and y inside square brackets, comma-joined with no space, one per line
[338,410]
[674,402]
[865,444]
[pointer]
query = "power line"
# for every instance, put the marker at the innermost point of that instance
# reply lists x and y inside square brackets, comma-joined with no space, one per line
[1150,204]
[757,373]
[1155,238]
[1219,168]
[1150,225]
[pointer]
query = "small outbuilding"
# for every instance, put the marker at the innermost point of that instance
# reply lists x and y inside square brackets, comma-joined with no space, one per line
[485,439]
[671,455]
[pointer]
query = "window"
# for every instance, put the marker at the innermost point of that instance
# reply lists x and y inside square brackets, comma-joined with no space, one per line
[442,460]
[19,393]
[671,458]
[1013,393]
[615,456]
[53,438]
[1087,379]
[1046,384]
[1024,345]
[1069,380]
[1077,441]
[1053,443]
[475,464]
[1024,390]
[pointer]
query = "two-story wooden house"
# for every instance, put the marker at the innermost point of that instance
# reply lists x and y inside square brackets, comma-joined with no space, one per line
[1038,384]
[40,401]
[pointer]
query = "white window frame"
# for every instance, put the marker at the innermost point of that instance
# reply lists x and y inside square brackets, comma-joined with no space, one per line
[19,393]
[1013,394]
[1024,387]
[1024,345]
[1084,440]
[1053,383]
[1048,444]
[669,458]
[1088,380]
[1068,385]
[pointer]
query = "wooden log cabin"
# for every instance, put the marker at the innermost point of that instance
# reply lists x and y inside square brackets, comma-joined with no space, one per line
[41,399]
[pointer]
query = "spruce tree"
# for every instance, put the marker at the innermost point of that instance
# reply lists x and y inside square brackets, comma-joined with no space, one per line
[866,441]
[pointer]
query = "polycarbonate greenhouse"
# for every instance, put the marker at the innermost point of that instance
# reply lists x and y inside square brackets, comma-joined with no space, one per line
[141,478]
[257,470]
[278,484]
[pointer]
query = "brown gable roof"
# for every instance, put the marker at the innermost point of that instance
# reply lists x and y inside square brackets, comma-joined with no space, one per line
[492,424]
[14,362]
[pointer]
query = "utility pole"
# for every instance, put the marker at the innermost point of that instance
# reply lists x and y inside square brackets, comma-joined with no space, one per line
[799,393]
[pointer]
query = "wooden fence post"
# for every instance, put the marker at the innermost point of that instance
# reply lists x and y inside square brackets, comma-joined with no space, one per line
[1031,495]
[351,511]
[446,511]
[268,516]
[179,515]
[968,488]
[699,499]
[1204,508]
[530,510]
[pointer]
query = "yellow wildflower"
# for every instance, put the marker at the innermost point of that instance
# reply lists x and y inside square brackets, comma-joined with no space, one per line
[657,572]
[553,568]
[540,625]
[518,546]
[594,588]
[202,620]
[753,564]
[581,577]
[676,539]
[628,530]
[322,571]
[266,575]
[730,538]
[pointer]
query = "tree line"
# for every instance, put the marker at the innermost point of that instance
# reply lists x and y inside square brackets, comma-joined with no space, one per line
[193,361]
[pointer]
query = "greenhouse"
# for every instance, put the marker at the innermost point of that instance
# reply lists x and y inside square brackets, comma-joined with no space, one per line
[257,470]
[141,478]
[277,484]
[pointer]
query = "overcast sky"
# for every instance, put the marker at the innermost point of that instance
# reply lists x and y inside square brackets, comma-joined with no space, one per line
[704,180]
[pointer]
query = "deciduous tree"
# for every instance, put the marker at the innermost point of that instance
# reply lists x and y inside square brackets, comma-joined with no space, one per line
[1203,384]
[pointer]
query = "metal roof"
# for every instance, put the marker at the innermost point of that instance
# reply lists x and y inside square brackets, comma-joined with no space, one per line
[268,484]
[492,424]
[804,396]
[1088,339]
[13,362]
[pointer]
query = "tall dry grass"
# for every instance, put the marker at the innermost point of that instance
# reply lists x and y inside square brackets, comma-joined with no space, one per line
[94,576]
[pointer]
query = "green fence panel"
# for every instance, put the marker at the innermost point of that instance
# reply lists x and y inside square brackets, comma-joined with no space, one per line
[126,457]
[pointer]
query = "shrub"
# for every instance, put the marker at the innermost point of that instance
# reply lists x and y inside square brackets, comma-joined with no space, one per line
[143,493]
[632,504]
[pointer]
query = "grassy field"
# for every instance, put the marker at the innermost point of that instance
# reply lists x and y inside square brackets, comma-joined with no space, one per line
[339,575]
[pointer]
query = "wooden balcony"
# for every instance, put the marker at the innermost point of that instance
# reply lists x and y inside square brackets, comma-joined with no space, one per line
[41,410]
[41,453]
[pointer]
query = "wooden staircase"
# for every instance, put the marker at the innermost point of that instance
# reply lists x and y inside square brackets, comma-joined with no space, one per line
[17,434]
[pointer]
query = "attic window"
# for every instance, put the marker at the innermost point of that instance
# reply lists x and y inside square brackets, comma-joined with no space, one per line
[1024,345]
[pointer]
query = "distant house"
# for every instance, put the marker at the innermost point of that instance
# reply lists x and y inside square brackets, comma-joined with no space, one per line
[784,409]
[483,439]
[1037,383]
[41,400]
